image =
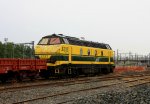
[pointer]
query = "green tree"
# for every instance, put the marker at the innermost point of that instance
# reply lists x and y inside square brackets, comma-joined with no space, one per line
[1,50]
[11,50]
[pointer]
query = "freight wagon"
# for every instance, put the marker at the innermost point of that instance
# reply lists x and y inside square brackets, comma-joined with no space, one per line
[17,69]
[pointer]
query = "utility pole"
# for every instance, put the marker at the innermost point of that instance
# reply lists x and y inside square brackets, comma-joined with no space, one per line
[129,56]
[32,53]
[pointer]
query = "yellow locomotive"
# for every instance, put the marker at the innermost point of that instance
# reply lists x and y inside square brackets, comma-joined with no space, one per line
[73,56]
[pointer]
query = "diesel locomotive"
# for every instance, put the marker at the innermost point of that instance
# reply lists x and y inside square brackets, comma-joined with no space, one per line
[73,56]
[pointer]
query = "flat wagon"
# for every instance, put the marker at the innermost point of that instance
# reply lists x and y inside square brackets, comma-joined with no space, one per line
[11,68]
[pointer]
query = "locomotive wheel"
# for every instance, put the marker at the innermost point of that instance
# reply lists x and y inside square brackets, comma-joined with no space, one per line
[75,73]
[104,70]
[67,72]
[111,71]
[45,74]
[108,70]
[3,78]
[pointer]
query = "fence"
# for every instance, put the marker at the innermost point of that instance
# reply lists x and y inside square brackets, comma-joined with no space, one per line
[131,59]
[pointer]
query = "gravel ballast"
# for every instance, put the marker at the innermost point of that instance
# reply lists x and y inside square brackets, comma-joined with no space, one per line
[117,94]
[138,95]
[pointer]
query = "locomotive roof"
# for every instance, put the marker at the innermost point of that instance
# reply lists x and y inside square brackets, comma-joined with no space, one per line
[77,41]
[61,35]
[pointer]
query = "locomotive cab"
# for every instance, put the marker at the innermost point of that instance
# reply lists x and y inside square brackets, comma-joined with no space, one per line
[49,45]
[53,40]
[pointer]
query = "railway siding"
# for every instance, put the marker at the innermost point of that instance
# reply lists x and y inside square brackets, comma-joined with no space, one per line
[73,93]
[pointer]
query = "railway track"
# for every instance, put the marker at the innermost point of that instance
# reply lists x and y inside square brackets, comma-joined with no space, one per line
[82,90]
[67,82]
[129,83]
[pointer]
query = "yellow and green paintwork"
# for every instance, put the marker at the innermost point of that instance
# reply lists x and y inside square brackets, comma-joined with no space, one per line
[73,54]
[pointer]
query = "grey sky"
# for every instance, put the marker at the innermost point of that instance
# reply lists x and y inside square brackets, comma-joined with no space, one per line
[124,24]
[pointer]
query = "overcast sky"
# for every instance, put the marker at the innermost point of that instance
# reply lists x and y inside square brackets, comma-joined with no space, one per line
[124,24]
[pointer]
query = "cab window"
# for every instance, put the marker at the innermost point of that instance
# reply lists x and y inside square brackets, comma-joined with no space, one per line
[66,41]
[44,41]
[55,41]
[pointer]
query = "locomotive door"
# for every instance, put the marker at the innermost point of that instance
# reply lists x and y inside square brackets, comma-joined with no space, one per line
[92,69]
[70,54]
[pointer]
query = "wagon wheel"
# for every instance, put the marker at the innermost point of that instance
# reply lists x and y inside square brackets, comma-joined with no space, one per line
[14,79]
[32,77]
[3,80]
[20,78]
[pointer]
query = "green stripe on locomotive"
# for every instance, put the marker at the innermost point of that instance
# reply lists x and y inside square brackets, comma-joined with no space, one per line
[80,58]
